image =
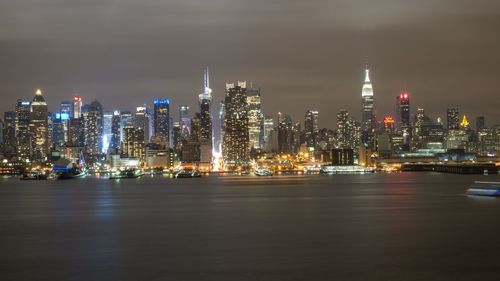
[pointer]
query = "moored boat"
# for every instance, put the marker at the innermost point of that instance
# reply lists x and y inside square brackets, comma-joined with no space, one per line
[127,174]
[263,172]
[484,188]
[33,175]
[188,174]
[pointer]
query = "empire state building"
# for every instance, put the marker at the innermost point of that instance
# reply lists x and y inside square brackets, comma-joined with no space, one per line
[367,115]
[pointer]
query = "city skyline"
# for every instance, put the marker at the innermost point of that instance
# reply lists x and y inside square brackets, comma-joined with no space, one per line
[316,61]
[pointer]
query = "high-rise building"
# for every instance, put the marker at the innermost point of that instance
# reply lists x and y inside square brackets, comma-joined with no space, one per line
[107,122]
[235,147]
[268,128]
[39,127]
[9,133]
[161,121]
[141,120]
[285,134]
[23,137]
[453,119]
[368,121]
[255,118]
[77,107]
[66,107]
[205,100]
[76,132]
[133,142]
[60,126]
[480,124]
[184,121]
[115,143]
[348,131]
[93,120]
[311,128]
[403,118]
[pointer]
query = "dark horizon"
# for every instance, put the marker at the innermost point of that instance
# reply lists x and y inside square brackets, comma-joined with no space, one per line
[303,55]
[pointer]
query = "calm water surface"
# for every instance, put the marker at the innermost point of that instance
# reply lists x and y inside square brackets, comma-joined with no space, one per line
[402,226]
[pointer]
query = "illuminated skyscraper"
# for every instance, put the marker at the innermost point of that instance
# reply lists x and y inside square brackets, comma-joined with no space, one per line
[133,142]
[115,143]
[23,137]
[161,121]
[268,128]
[9,133]
[403,118]
[39,127]
[368,121]
[235,147]
[93,120]
[106,130]
[347,131]
[255,118]
[77,107]
[205,100]
[311,128]
[453,119]
[285,134]
[141,120]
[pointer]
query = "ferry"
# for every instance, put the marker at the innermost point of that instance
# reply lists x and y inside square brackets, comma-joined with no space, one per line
[34,175]
[484,188]
[263,172]
[70,173]
[347,169]
[188,174]
[127,174]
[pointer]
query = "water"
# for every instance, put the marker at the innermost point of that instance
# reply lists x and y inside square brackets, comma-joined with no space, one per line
[402,226]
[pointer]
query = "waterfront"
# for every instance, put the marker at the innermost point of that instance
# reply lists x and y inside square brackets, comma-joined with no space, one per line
[401,226]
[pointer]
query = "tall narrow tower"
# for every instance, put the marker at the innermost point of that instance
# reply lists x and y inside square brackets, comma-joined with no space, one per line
[205,100]
[367,115]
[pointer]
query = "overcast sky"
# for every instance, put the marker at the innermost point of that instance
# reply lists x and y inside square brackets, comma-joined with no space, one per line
[303,54]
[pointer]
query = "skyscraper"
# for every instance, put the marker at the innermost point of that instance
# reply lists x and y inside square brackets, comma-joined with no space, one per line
[235,147]
[255,118]
[93,120]
[115,143]
[347,131]
[205,100]
[9,133]
[403,118]
[268,128]
[367,115]
[311,128]
[161,121]
[107,122]
[285,134]
[23,137]
[480,124]
[453,118]
[77,107]
[133,142]
[39,127]
[141,120]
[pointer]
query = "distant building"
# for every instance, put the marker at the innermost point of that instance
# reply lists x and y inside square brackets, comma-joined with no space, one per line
[348,131]
[255,118]
[403,119]
[133,142]
[342,156]
[77,107]
[453,119]
[368,121]
[235,147]
[9,134]
[311,128]
[93,121]
[161,121]
[23,136]
[205,100]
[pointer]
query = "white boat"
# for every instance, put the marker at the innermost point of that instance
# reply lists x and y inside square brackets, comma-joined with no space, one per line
[484,188]
[263,172]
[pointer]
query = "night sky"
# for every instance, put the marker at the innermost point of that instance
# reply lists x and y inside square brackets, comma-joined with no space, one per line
[303,54]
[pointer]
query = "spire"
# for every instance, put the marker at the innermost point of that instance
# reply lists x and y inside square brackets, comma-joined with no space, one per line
[38,92]
[207,92]
[367,75]
[465,122]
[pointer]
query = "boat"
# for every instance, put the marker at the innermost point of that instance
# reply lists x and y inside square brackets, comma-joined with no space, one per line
[188,174]
[70,174]
[127,174]
[263,172]
[34,175]
[345,169]
[484,188]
